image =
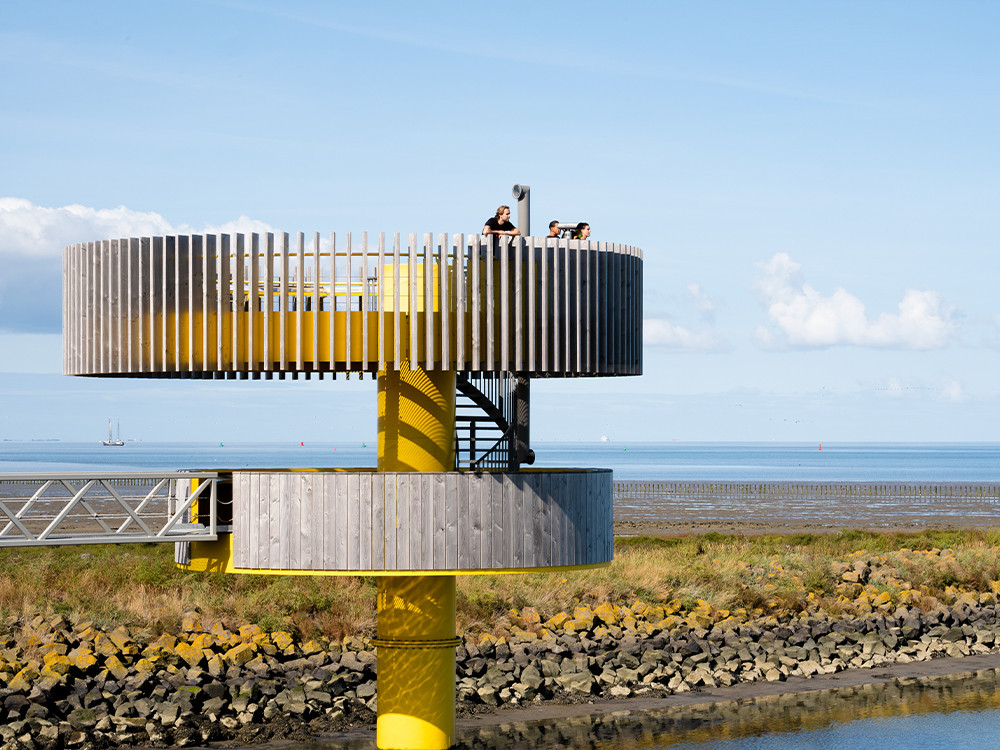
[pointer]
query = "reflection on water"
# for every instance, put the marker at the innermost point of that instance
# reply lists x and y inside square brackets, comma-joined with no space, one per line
[910,713]
[941,710]
[958,711]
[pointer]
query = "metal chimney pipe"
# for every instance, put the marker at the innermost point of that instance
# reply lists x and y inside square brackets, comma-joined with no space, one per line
[523,195]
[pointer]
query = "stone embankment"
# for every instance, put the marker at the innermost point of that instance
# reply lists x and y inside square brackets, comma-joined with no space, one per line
[68,684]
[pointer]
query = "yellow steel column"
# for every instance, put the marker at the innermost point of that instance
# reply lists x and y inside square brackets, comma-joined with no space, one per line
[416,614]
[416,420]
[416,662]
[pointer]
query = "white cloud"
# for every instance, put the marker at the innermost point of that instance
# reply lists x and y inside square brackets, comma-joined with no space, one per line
[39,231]
[800,316]
[952,391]
[31,241]
[695,335]
[664,332]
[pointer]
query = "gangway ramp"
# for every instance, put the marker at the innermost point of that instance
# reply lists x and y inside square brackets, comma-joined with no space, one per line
[46,509]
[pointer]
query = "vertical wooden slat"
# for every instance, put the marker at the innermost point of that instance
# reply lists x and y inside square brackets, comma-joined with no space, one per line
[172,301]
[557,305]
[331,533]
[253,316]
[154,249]
[72,312]
[363,304]
[439,552]
[460,287]
[638,315]
[131,306]
[115,308]
[238,322]
[355,512]
[300,302]
[288,510]
[473,483]
[267,300]
[341,515]
[567,279]
[519,520]
[421,521]
[333,301]
[182,327]
[520,254]
[505,250]
[475,261]
[465,515]
[451,502]
[445,303]
[544,308]
[618,301]
[273,519]
[224,355]
[349,325]
[378,483]
[380,302]
[497,513]
[283,303]
[194,301]
[317,301]
[397,332]
[578,316]
[411,304]
[491,243]
[209,295]
[406,509]
[389,521]
[598,282]
[428,306]
[104,305]
[302,522]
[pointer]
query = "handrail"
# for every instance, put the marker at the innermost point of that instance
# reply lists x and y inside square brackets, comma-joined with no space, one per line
[55,508]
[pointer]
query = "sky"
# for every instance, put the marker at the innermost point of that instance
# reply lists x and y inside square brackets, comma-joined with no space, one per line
[813,186]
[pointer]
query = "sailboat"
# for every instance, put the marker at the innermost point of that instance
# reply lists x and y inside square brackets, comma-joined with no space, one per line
[114,441]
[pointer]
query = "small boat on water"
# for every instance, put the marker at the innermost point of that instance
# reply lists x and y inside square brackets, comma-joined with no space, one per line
[114,441]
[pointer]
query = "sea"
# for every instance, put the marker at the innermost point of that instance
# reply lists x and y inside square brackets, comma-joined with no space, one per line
[941,722]
[827,462]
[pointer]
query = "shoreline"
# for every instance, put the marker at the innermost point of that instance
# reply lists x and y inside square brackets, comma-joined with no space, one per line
[945,667]
[77,686]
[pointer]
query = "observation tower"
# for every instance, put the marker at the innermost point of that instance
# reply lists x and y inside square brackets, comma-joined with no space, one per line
[453,327]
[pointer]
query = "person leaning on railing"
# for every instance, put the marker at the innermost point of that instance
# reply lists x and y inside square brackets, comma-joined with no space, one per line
[500,224]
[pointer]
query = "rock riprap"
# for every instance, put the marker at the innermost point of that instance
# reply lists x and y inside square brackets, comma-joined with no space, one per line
[66,683]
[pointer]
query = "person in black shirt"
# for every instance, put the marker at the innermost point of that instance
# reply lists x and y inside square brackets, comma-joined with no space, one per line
[554,230]
[500,224]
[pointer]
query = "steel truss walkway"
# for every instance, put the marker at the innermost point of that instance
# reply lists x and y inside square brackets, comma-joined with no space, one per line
[107,508]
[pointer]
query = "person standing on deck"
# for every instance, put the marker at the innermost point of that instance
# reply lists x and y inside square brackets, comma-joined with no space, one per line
[500,224]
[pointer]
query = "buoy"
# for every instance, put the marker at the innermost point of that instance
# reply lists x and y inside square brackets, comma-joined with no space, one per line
[821,446]
[301,444]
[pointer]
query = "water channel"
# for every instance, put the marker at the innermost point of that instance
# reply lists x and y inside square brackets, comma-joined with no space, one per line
[956,712]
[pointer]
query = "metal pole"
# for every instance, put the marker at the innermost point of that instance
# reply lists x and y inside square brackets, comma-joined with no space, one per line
[523,195]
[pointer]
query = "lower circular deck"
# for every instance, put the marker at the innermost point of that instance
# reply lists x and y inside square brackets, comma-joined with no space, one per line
[372,522]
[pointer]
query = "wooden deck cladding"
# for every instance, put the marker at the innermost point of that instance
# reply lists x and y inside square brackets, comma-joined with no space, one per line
[233,305]
[448,522]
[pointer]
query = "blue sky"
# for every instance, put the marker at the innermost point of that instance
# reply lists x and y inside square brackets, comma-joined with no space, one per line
[813,186]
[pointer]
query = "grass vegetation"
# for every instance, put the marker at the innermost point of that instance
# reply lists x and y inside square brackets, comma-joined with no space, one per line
[139,586]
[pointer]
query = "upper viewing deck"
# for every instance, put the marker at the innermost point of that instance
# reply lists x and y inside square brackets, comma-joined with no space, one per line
[234,305]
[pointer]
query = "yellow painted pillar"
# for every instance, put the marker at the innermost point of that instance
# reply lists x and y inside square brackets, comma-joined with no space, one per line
[416,613]
[416,420]
[416,662]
